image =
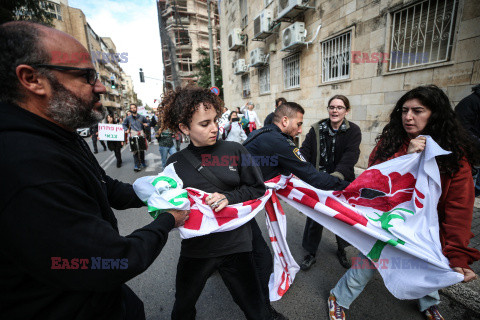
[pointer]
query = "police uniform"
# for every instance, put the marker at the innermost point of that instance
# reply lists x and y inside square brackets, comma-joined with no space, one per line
[276,153]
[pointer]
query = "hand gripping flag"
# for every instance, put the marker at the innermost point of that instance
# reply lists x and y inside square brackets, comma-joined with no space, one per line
[390,214]
[164,192]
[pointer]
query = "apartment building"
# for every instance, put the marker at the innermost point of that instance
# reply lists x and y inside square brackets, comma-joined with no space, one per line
[368,50]
[184,30]
[107,61]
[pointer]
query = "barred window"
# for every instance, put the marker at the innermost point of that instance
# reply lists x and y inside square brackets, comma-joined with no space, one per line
[422,34]
[264,80]
[336,58]
[291,71]
[246,85]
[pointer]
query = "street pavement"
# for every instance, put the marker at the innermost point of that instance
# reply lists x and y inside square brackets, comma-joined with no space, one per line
[306,298]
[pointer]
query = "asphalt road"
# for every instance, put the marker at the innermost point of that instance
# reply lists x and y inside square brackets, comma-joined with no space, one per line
[306,298]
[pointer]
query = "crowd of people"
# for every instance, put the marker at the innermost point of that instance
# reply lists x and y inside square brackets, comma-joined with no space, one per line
[71,197]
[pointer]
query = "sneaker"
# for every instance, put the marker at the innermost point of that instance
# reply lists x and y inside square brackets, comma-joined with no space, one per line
[307,263]
[275,314]
[136,169]
[433,314]
[335,312]
[342,258]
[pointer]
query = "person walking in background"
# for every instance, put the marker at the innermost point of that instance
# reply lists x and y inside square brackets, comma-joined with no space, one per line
[269,118]
[252,117]
[165,145]
[94,133]
[333,146]
[178,140]
[148,129]
[425,110]
[134,124]
[233,129]
[115,146]
[468,113]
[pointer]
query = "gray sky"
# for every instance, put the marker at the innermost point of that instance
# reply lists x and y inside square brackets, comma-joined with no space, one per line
[133,27]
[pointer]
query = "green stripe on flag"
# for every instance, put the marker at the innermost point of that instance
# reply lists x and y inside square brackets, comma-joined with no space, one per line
[174,201]
[169,180]
[376,251]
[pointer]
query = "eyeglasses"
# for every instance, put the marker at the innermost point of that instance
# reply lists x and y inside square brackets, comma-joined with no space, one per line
[90,74]
[331,108]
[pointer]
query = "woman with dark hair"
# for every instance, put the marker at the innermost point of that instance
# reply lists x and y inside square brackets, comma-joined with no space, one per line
[115,146]
[425,110]
[333,146]
[195,111]
[233,129]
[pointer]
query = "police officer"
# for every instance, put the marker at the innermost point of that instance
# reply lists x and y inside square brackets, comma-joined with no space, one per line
[274,143]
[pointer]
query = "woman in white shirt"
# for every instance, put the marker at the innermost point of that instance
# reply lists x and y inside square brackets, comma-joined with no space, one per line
[234,130]
[253,120]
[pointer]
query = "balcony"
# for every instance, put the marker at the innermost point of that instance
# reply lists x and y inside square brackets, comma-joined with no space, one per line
[172,22]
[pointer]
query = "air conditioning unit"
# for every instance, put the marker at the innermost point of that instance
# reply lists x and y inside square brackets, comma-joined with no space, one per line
[239,66]
[290,8]
[257,57]
[293,36]
[261,24]
[235,39]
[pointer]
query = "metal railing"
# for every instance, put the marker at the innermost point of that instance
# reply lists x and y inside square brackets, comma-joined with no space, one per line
[422,34]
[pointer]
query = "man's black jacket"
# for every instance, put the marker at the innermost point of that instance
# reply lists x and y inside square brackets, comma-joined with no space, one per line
[55,203]
[468,112]
[276,153]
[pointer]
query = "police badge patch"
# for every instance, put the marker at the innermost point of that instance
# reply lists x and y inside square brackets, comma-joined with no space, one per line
[297,153]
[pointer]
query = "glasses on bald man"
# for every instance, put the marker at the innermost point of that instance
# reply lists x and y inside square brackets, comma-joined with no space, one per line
[89,74]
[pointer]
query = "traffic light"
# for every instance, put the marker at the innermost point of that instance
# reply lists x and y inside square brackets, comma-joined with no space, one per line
[142,77]
[113,84]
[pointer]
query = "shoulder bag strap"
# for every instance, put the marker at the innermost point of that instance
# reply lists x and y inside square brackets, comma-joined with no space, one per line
[205,172]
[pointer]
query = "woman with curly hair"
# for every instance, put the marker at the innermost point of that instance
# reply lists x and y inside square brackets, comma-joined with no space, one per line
[195,112]
[425,110]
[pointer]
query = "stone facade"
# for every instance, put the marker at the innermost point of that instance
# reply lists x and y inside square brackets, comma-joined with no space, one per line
[372,87]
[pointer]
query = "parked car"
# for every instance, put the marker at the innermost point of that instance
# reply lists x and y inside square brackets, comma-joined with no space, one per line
[84,132]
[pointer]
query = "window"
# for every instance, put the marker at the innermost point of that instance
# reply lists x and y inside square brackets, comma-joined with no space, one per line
[291,71]
[264,80]
[246,85]
[53,10]
[422,34]
[182,37]
[336,58]
[244,13]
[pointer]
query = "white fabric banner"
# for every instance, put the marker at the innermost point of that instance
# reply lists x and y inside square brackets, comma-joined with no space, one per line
[389,213]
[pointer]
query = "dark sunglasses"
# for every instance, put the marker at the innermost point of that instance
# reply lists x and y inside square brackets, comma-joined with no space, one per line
[90,74]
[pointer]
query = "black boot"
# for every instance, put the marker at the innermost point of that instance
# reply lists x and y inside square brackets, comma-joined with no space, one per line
[307,262]
[342,258]
[275,314]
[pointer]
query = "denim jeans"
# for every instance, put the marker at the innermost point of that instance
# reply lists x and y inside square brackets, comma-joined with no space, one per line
[165,152]
[349,287]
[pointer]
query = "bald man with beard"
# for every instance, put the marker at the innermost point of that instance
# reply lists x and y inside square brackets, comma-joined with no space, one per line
[61,255]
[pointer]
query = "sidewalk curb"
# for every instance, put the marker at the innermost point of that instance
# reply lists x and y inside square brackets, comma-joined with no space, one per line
[464,299]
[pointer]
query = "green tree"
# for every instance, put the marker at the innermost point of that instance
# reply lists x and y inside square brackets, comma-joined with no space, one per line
[32,10]
[203,67]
